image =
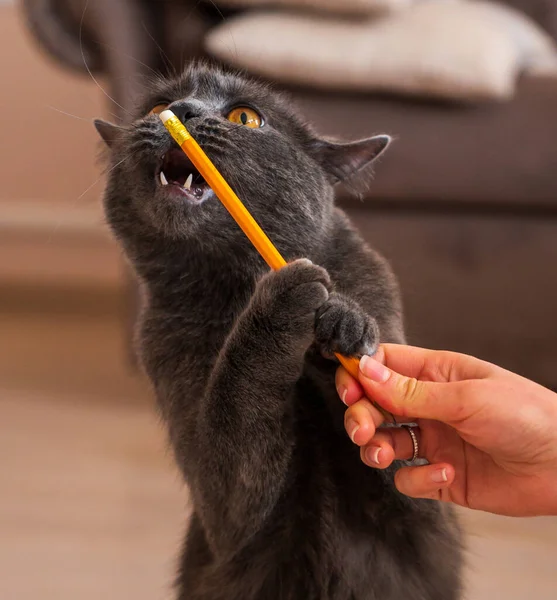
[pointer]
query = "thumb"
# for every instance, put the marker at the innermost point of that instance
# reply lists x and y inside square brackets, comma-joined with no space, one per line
[411,397]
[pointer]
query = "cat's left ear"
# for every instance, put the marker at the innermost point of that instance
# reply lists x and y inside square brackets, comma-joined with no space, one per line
[108,131]
[344,162]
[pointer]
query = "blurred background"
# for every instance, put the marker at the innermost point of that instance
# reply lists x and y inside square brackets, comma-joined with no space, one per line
[464,205]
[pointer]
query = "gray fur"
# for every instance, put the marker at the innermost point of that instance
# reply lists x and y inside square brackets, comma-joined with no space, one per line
[240,358]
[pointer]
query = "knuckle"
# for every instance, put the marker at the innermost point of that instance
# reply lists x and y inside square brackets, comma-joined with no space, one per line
[410,389]
[467,398]
[409,481]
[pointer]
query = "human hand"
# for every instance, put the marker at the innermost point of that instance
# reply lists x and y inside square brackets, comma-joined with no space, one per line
[489,435]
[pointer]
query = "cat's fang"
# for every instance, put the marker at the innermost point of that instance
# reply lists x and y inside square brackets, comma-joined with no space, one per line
[164,181]
[189,181]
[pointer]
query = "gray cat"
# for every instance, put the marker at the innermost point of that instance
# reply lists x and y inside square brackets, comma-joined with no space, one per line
[240,357]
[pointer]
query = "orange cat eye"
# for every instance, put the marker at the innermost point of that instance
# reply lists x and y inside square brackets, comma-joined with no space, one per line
[243,115]
[156,110]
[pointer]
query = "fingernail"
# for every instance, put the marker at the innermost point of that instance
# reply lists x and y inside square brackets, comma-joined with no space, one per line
[374,370]
[352,428]
[439,476]
[372,455]
[342,392]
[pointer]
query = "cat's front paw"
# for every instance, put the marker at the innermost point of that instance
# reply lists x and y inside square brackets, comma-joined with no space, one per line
[342,326]
[291,296]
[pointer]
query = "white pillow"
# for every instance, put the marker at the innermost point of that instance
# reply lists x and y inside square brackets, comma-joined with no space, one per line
[338,6]
[453,50]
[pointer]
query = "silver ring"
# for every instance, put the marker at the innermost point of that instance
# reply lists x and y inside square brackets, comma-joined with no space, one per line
[414,438]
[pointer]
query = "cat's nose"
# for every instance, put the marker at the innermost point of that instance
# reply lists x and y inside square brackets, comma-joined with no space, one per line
[186,109]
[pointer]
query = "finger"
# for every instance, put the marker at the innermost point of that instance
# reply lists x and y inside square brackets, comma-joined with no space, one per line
[425,482]
[379,453]
[408,396]
[401,441]
[389,444]
[348,388]
[433,365]
[361,421]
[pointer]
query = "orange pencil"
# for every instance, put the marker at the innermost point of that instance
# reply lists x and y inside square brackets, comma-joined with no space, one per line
[234,205]
[222,190]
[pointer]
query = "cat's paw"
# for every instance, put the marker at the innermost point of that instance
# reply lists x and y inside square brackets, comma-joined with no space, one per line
[342,326]
[291,296]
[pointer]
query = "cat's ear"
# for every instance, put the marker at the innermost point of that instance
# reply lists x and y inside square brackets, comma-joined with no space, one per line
[108,131]
[348,162]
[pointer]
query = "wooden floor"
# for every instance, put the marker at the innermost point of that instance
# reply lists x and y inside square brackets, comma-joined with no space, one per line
[91,507]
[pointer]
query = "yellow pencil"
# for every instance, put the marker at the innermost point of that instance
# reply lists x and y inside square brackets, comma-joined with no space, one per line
[234,205]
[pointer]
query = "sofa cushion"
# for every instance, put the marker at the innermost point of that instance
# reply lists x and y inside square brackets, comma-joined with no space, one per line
[356,7]
[543,12]
[454,50]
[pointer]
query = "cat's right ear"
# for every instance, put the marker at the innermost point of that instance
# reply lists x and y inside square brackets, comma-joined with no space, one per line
[349,163]
[108,131]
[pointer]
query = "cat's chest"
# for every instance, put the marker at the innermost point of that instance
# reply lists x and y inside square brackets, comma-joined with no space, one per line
[331,481]
[331,517]
[330,475]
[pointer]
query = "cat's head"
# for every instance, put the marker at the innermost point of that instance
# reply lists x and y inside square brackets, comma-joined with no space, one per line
[279,168]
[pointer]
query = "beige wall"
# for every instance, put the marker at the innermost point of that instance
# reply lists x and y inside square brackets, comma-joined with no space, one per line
[51,156]
[51,229]
[63,312]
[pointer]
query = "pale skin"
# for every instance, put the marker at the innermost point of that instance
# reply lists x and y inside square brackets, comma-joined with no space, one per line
[489,435]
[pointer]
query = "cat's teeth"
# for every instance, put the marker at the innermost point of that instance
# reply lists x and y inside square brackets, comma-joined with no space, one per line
[164,181]
[189,181]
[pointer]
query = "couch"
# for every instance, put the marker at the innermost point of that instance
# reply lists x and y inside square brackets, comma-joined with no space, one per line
[464,204]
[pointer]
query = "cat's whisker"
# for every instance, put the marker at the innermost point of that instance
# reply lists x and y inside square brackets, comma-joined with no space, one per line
[233,128]
[74,203]
[63,112]
[168,63]
[194,7]
[224,20]
[182,64]
[103,174]
[139,62]
[87,66]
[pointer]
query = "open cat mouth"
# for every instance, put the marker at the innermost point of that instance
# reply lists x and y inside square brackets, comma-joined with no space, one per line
[178,174]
